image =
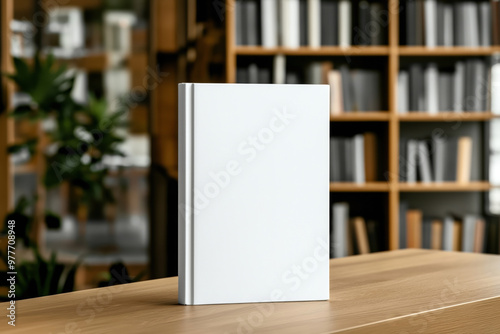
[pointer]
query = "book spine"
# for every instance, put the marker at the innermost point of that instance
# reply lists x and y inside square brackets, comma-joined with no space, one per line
[464,159]
[403,90]
[269,18]
[359,159]
[424,162]
[431,88]
[279,71]
[411,173]
[430,13]
[345,23]
[495,89]
[448,24]
[314,23]
[185,194]
[485,23]
[448,233]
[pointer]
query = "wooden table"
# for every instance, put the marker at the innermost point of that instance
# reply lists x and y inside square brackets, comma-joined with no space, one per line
[407,291]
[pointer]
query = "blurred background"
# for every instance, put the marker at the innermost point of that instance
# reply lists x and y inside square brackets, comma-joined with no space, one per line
[88,124]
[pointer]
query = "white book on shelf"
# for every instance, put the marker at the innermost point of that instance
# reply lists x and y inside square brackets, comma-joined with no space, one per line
[459,87]
[448,223]
[485,23]
[471,21]
[269,19]
[495,89]
[345,23]
[279,69]
[448,24]
[424,162]
[430,21]
[245,218]
[359,158]
[411,161]
[314,23]
[290,23]
[340,221]
[403,92]
[468,232]
[431,88]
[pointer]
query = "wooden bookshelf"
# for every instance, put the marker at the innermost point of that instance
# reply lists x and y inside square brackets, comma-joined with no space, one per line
[444,186]
[369,116]
[446,117]
[393,52]
[359,187]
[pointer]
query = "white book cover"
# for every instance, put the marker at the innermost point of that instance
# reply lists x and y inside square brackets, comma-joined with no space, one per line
[269,18]
[430,14]
[314,23]
[359,158]
[403,92]
[249,218]
[340,221]
[432,88]
[345,25]
[290,23]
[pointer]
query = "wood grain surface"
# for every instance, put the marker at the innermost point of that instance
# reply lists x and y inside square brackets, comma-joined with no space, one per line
[406,291]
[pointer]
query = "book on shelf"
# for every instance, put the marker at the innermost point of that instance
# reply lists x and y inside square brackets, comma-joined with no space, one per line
[311,23]
[433,23]
[428,88]
[226,184]
[437,160]
[349,236]
[354,159]
[451,233]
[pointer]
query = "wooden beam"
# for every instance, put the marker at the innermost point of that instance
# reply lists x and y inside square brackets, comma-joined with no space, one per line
[6,124]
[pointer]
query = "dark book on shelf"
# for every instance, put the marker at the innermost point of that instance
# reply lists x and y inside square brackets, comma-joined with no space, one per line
[329,22]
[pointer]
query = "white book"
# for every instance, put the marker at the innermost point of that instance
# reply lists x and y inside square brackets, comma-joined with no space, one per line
[359,158]
[290,23]
[430,14]
[269,18]
[403,92]
[314,23]
[485,23]
[459,87]
[411,161]
[495,89]
[448,24]
[424,162]
[468,233]
[471,23]
[345,25]
[245,218]
[448,233]
[439,159]
[340,221]
[279,69]
[431,88]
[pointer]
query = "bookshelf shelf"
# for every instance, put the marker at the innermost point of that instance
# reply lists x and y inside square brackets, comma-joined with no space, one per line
[373,116]
[447,51]
[308,51]
[445,116]
[27,168]
[445,186]
[359,187]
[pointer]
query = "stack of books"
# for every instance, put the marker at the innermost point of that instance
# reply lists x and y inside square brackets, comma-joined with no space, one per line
[445,23]
[350,236]
[452,233]
[425,87]
[313,23]
[437,160]
[354,159]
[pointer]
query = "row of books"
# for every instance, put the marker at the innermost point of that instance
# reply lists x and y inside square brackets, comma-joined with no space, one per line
[451,233]
[425,87]
[350,236]
[354,159]
[436,160]
[314,23]
[444,23]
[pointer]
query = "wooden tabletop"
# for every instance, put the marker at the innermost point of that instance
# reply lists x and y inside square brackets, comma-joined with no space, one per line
[406,291]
